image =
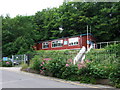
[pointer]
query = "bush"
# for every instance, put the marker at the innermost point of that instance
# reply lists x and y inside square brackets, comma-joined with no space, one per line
[115,48]
[24,66]
[35,62]
[99,71]
[54,66]
[114,76]
[105,64]
[69,70]
[7,63]
[59,64]
[73,77]
[57,61]
[109,55]
[87,79]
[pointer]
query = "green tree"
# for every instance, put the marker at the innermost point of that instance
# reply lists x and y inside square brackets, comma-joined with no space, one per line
[18,33]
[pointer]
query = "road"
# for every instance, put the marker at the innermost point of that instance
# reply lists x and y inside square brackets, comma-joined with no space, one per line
[13,79]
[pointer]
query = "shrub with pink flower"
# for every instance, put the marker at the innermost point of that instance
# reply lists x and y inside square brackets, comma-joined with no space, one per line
[43,68]
[47,59]
[80,65]
[43,63]
[7,62]
[67,65]
[70,61]
[87,61]
[42,72]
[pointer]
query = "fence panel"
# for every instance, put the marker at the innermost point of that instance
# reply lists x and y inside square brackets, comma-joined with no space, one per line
[18,59]
[105,44]
[103,56]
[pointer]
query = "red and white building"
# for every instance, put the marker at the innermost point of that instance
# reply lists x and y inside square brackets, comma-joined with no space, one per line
[74,42]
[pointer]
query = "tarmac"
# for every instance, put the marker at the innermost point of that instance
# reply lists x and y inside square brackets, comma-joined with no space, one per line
[17,70]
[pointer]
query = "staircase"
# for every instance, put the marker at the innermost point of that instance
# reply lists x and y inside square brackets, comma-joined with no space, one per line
[81,55]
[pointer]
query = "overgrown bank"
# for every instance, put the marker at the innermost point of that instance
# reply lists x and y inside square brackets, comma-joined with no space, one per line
[60,64]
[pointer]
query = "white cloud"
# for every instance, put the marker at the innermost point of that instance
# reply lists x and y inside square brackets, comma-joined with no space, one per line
[26,7]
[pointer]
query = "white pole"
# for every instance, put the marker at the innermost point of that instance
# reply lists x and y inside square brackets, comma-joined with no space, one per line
[100,45]
[94,45]
[107,44]
[12,60]
[24,59]
[81,40]
[87,38]
[90,29]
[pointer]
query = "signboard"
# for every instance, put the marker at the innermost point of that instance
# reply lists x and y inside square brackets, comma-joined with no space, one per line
[5,58]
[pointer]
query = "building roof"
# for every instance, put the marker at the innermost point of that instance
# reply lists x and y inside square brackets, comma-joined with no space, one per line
[66,37]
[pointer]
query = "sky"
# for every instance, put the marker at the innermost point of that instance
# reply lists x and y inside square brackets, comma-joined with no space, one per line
[26,7]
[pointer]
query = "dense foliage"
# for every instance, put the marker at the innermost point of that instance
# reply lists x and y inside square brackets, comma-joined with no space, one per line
[6,63]
[54,63]
[17,35]
[60,64]
[115,76]
[105,64]
[21,32]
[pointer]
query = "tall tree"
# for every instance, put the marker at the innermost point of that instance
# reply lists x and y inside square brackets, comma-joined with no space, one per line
[18,33]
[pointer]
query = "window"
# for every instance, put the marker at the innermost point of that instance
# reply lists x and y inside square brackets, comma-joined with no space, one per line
[45,45]
[65,42]
[73,41]
[58,43]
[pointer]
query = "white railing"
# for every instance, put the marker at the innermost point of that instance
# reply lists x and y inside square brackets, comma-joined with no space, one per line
[100,45]
[80,55]
[91,46]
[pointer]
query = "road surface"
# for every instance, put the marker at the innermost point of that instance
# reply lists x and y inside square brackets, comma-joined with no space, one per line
[18,79]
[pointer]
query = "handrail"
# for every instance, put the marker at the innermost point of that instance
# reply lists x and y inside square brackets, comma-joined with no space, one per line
[80,55]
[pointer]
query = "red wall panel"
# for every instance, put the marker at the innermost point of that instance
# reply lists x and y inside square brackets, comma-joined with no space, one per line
[82,41]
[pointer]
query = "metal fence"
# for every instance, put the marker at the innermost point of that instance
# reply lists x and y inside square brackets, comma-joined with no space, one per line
[100,45]
[18,59]
[98,55]
[104,56]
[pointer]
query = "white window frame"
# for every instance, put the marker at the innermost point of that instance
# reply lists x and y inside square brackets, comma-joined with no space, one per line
[60,41]
[45,43]
[74,40]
